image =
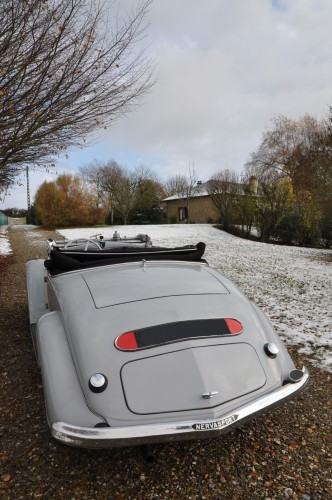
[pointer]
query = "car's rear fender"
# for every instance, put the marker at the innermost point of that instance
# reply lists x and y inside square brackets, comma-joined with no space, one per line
[283,360]
[37,295]
[63,395]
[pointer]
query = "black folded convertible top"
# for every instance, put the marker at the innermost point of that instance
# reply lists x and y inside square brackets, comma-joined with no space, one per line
[60,261]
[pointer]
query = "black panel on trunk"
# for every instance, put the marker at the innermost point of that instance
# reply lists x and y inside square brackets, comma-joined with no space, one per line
[172,332]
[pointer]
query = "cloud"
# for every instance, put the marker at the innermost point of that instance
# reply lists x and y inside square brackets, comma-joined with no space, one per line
[224,70]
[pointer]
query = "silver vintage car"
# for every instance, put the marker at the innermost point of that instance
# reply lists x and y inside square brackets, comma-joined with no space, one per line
[140,344]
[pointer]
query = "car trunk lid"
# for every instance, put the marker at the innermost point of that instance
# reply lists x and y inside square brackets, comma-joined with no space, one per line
[116,285]
[191,379]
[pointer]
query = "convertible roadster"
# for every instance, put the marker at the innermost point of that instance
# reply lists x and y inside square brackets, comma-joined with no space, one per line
[140,344]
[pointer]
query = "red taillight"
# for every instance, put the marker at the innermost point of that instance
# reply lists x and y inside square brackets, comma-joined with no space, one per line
[234,326]
[127,341]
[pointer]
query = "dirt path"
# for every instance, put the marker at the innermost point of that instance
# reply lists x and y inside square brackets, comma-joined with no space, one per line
[286,454]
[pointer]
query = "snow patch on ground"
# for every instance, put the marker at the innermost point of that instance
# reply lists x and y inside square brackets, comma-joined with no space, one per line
[292,285]
[19,227]
[5,248]
[36,238]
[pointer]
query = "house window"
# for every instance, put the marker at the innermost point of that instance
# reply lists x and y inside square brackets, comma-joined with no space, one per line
[183,213]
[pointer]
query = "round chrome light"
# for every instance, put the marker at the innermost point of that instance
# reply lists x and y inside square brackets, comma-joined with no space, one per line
[271,350]
[98,382]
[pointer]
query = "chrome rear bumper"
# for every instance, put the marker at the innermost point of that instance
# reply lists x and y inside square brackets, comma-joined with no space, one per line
[108,437]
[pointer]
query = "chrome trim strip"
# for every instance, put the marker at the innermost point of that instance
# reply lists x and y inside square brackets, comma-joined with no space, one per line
[151,262]
[107,437]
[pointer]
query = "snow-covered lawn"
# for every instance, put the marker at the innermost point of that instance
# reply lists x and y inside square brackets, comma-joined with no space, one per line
[292,285]
[5,247]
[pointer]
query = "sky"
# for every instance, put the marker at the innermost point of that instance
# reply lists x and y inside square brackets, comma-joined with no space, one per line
[224,69]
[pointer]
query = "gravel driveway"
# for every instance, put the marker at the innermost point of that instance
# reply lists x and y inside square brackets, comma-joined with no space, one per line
[286,454]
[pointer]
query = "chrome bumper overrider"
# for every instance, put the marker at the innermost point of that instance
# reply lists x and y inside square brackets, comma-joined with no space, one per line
[107,437]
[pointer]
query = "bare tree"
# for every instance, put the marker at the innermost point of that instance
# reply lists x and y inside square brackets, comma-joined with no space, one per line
[300,152]
[184,186]
[272,205]
[176,185]
[123,190]
[67,70]
[246,203]
[300,149]
[91,177]
[191,183]
[224,188]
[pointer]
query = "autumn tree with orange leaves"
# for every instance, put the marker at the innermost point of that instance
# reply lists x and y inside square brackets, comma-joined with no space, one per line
[66,202]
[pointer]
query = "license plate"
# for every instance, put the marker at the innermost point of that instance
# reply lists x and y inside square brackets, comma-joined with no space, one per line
[219,424]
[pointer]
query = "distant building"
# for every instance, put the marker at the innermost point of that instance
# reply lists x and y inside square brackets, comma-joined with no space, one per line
[11,221]
[15,221]
[199,205]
